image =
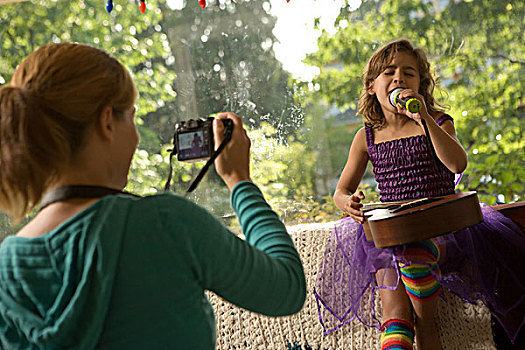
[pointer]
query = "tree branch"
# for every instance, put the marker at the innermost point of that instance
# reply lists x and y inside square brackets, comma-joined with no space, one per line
[12,38]
[513,61]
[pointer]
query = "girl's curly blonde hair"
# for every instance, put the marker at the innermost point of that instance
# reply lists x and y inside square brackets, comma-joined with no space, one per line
[368,106]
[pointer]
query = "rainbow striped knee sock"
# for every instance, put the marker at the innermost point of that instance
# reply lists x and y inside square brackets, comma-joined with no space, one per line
[418,275]
[397,334]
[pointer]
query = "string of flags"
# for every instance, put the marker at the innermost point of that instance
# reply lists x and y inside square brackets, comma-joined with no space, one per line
[202,3]
[142,5]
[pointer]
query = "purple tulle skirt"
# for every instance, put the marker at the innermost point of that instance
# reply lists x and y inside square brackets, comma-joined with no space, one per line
[484,262]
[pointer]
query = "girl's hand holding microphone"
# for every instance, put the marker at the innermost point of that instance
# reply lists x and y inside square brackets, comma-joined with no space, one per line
[410,103]
[233,163]
[353,206]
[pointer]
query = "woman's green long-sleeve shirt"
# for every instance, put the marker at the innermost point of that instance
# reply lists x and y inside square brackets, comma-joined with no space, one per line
[130,273]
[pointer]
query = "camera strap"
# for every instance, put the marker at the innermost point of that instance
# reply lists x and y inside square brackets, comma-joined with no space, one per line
[77,192]
[227,137]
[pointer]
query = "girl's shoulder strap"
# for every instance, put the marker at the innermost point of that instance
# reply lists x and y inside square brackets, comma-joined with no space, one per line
[443,118]
[369,136]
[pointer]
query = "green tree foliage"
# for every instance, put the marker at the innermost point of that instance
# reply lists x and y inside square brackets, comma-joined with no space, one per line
[224,61]
[223,58]
[286,172]
[192,62]
[477,51]
[136,39]
[186,63]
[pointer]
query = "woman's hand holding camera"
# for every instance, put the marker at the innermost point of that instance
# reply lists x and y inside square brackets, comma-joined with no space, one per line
[233,163]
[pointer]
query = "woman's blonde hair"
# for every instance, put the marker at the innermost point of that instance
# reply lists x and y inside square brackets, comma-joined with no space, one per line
[55,94]
[368,105]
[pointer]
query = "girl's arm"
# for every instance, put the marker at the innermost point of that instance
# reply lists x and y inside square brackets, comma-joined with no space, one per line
[345,196]
[447,147]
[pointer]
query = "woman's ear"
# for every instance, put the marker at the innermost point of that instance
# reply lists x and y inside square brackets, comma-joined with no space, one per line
[106,125]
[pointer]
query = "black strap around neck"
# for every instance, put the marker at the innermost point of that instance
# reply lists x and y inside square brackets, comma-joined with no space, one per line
[78,191]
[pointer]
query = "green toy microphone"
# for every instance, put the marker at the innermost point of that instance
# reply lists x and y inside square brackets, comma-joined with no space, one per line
[409,103]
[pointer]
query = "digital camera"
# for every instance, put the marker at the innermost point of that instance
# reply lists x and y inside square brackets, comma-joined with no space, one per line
[193,139]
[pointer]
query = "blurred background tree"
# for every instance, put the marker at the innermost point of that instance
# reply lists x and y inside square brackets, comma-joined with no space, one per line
[190,62]
[224,60]
[187,63]
[478,54]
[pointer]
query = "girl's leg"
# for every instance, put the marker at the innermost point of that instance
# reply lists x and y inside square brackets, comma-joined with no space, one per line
[423,289]
[397,329]
[426,328]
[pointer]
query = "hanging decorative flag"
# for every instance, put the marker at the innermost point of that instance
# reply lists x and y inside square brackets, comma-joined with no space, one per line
[142,5]
[202,3]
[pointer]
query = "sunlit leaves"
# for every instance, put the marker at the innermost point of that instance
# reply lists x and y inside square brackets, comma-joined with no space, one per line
[478,53]
[134,39]
[224,61]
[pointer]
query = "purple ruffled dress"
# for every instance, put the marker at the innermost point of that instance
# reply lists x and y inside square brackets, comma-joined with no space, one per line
[484,262]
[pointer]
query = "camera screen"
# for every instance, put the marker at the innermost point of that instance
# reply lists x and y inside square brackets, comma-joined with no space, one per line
[192,145]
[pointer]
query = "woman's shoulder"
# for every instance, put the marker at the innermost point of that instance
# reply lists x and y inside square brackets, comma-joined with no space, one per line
[150,198]
[168,204]
[163,213]
[166,200]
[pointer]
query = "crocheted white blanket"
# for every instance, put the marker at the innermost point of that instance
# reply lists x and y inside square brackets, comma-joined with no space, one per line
[462,326]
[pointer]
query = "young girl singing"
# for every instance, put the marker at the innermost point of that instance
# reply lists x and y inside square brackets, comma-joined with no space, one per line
[483,262]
